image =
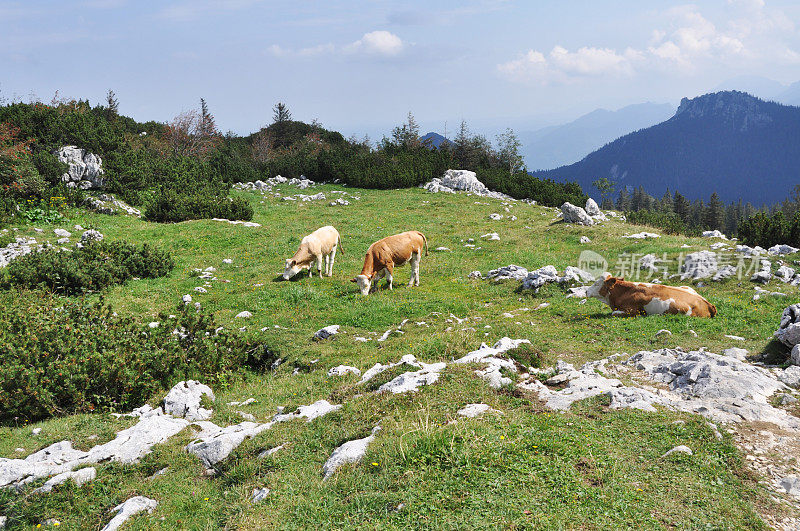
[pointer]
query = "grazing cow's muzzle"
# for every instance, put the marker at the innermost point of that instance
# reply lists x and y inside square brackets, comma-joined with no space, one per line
[290,270]
[363,283]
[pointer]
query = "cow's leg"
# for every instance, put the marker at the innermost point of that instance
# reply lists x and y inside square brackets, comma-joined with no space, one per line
[388,272]
[327,259]
[374,282]
[310,271]
[332,257]
[319,266]
[415,257]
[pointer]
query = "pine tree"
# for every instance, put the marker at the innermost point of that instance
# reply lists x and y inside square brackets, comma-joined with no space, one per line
[714,215]
[112,105]
[681,207]
[624,200]
[280,113]
[461,145]
[666,204]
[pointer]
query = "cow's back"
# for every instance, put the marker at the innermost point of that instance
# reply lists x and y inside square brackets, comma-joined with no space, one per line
[397,248]
[322,240]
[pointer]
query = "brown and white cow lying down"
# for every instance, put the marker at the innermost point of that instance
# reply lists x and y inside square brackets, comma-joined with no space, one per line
[642,298]
[322,243]
[386,254]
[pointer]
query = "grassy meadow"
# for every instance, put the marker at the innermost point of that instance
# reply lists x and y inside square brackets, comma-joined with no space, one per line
[523,467]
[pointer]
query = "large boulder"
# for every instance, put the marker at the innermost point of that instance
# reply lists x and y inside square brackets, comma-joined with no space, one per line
[84,169]
[575,214]
[594,211]
[788,332]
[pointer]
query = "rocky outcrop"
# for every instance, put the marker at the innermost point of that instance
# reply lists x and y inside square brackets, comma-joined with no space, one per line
[788,332]
[184,401]
[84,169]
[461,181]
[575,214]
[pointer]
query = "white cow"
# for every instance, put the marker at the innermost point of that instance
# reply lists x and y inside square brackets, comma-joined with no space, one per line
[322,243]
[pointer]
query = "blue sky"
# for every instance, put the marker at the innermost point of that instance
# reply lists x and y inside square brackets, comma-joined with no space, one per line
[360,66]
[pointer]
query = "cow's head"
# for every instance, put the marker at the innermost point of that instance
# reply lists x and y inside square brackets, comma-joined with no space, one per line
[363,282]
[600,289]
[290,269]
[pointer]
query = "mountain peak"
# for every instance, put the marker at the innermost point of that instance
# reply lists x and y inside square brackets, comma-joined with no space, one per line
[734,107]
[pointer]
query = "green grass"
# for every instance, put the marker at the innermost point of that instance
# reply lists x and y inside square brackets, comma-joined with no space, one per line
[526,468]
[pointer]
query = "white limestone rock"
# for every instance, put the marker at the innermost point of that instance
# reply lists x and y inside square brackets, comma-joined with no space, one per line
[129,508]
[259,495]
[184,400]
[575,214]
[678,450]
[413,380]
[788,332]
[214,443]
[702,264]
[318,409]
[244,315]
[714,234]
[325,333]
[473,410]
[349,452]
[84,169]
[642,236]
[79,477]
[342,370]
[91,235]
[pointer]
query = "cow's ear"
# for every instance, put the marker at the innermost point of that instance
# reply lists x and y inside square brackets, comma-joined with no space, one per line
[353,280]
[609,283]
[292,263]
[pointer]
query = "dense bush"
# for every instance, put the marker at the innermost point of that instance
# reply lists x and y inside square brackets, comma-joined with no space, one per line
[668,222]
[60,357]
[172,206]
[522,185]
[91,268]
[766,231]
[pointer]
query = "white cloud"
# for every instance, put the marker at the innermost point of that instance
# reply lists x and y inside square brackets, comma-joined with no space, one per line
[561,65]
[374,43]
[377,43]
[752,33]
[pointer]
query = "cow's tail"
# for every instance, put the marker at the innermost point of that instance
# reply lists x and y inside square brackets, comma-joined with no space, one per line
[339,241]
[425,241]
[712,309]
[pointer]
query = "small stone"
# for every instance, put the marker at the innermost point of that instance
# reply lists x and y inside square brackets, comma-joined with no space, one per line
[259,495]
[738,353]
[61,233]
[475,274]
[227,261]
[186,299]
[36,431]
[473,410]
[678,450]
[325,333]
[244,315]
[663,333]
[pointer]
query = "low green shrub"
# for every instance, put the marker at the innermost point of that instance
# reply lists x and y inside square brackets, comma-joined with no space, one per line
[66,356]
[91,268]
[173,206]
[668,222]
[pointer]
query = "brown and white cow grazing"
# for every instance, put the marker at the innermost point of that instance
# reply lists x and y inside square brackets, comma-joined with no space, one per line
[386,254]
[322,243]
[642,298]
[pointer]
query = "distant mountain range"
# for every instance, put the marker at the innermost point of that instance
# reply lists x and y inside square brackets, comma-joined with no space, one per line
[764,88]
[435,139]
[727,142]
[558,145]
